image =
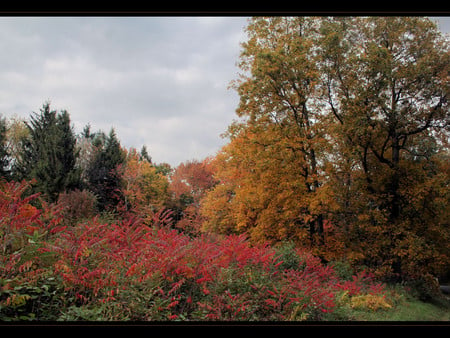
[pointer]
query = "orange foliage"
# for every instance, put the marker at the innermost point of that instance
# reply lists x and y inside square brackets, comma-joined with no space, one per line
[145,190]
[188,184]
[343,143]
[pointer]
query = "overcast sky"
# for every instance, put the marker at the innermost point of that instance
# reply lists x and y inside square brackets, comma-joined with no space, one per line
[158,81]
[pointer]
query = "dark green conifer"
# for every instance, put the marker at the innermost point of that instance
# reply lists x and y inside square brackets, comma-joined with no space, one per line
[102,174]
[4,156]
[49,154]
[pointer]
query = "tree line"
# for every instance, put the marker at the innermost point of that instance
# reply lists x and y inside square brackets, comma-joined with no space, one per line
[46,149]
[91,173]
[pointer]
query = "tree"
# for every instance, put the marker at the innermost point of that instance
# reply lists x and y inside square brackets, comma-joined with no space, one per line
[283,120]
[343,122]
[188,184]
[386,82]
[103,178]
[260,191]
[86,153]
[17,135]
[4,156]
[144,154]
[49,154]
[144,189]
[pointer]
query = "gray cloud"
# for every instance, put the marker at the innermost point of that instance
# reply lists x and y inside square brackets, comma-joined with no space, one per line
[158,81]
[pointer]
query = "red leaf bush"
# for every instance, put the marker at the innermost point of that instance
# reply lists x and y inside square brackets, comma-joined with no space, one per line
[135,270]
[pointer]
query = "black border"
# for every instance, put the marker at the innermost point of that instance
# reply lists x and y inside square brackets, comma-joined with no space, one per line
[228,8]
[224,8]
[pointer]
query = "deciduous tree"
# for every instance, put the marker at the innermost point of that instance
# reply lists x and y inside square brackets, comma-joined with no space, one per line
[188,184]
[144,189]
[387,86]
[344,130]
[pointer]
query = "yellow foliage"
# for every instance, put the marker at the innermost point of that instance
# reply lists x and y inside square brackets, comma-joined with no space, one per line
[17,300]
[144,188]
[369,301]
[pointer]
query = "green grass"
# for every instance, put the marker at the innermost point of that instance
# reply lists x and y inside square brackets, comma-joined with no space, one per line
[412,310]
[405,307]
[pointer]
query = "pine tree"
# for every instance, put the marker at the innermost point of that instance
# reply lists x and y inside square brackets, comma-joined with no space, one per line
[4,157]
[102,175]
[144,155]
[49,154]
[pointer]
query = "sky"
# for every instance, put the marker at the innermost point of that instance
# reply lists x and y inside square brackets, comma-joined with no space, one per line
[162,82]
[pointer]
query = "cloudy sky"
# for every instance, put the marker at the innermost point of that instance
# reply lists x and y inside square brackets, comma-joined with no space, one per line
[158,81]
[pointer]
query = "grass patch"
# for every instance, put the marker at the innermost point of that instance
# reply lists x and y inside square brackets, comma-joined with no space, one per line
[402,307]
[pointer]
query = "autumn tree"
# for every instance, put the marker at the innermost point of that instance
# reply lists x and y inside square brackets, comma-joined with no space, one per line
[283,124]
[386,82]
[188,184]
[145,190]
[343,132]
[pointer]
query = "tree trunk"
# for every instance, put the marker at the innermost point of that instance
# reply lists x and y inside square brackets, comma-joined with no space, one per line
[394,214]
[395,184]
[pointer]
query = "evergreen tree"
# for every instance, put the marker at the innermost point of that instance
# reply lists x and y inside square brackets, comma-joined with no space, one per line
[144,155]
[102,175]
[4,156]
[49,153]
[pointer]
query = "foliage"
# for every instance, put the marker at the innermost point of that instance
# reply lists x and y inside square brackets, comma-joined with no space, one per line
[77,205]
[189,183]
[372,302]
[129,270]
[342,143]
[145,190]
[25,278]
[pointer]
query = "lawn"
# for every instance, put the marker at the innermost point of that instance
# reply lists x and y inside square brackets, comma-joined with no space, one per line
[404,307]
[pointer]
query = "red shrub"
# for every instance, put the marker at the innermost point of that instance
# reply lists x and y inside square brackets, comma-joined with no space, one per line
[77,205]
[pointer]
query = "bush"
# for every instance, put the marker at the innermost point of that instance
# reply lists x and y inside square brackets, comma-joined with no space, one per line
[343,269]
[128,270]
[371,302]
[25,258]
[77,206]
[288,255]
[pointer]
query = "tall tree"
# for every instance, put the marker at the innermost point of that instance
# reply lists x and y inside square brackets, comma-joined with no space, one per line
[4,156]
[102,175]
[387,86]
[278,100]
[350,117]
[49,154]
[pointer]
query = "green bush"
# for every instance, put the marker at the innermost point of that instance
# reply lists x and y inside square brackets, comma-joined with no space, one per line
[343,269]
[288,255]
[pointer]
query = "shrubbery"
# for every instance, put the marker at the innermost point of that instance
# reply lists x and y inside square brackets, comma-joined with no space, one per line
[127,270]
